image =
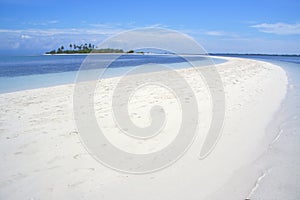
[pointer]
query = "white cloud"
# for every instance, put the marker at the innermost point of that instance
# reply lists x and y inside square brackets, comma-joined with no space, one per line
[42,23]
[215,33]
[53,22]
[153,37]
[47,39]
[25,36]
[279,28]
[124,26]
[251,45]
[51,38]
[69,31]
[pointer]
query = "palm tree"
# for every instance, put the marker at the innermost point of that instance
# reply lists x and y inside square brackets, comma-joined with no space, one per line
[70,46]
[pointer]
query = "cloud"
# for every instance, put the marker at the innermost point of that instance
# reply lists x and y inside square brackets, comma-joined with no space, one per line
[43,23]
[112,25]
[25,36]
[53,22]
[47,39]
[215,33]
[154,38]
[56,32]
[51,38]
[279,28]
[251,45]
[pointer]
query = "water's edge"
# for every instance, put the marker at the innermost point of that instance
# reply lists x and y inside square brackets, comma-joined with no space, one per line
[281,157]
[275,173]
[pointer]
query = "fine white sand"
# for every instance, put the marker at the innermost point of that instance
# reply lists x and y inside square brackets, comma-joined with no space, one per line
[41,155]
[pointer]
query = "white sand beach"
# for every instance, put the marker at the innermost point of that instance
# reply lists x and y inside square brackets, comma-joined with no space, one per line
[42,157]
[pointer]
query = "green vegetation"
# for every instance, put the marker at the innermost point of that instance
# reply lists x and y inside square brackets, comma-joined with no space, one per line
[130,51]
[85,48]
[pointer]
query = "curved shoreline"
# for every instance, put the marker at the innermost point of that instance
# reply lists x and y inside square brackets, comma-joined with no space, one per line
[275,173]
[38,135]
[245,181]
[282,179]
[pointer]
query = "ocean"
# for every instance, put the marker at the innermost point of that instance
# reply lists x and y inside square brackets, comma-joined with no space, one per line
[29,72]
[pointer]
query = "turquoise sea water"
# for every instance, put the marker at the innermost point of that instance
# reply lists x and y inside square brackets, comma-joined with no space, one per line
[28,72]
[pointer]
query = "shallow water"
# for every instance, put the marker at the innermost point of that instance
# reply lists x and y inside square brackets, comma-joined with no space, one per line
[29,72]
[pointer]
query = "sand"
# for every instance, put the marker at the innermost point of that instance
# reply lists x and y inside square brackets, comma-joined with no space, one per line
[42,156]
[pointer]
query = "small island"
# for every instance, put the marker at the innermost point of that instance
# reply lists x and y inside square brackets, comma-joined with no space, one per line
[84,49]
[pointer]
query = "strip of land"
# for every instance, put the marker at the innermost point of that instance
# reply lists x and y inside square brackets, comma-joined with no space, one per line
[42,156]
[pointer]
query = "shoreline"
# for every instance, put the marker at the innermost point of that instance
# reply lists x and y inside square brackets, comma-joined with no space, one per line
[248,182]
[86,54]
[277,167]
[37,119]
[284,144]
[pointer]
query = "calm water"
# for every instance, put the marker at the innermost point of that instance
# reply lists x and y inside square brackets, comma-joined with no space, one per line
[28,72]
[286,59]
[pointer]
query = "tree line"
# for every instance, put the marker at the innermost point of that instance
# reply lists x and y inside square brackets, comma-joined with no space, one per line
[84,48]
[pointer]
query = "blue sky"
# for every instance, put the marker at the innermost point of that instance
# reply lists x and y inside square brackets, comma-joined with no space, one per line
[35,26]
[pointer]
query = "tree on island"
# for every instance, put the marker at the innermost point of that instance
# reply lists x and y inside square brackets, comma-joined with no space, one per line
[85,48]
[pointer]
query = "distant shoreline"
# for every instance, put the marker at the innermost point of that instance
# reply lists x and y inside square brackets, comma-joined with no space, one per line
[85,49]
[74,54]
[250,54]
[148,53]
